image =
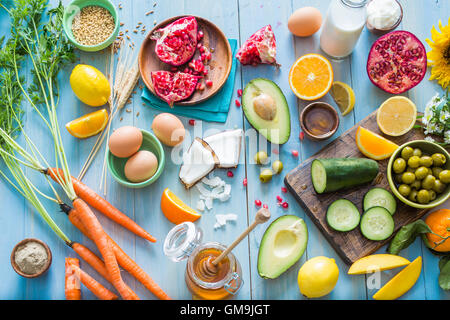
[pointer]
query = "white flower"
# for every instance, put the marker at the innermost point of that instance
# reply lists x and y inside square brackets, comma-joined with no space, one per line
[430,139]
[444,116]
[447,136]
[431,128]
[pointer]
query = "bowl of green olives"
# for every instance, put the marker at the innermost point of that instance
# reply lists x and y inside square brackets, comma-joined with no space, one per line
[419,174]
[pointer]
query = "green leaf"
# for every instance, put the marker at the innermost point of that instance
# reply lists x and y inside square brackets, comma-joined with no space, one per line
[444,276]
[406,236]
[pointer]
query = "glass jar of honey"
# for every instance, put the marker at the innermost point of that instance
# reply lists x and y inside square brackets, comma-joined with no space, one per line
[184,242]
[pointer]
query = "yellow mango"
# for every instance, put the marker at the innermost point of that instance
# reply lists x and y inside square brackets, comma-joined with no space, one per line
[377,262]
[401,283]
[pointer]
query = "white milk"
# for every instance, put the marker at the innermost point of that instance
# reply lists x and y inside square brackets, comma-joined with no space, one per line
[343,25]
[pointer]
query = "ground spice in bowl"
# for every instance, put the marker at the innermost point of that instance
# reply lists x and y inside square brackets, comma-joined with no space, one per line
[93,25]
[31,257]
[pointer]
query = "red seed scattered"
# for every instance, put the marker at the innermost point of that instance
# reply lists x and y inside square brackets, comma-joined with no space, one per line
[279,199]
[285,205]
[275,151]
[208,56]
[244,182]
[230,174]
[192,122]
[239,92]
[302,136]
[295,153]
[283,189]
[238,103]
[202,49]
[209,83]
[200,35]
[265,206]
[199,45]
[174,69]
[258,203]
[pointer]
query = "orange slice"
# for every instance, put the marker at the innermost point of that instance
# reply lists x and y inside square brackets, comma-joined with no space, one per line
[311,77]
[175,210]
[373,145]
[396,116]
[88,125]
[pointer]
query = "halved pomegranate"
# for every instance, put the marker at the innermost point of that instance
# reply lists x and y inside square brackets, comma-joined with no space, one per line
[177,42]
[261,47]
[173,87]
[397,62]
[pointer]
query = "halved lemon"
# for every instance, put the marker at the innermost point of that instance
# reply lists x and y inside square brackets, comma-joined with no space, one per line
[88,125]
[344,96]
[373,145]
[175,210]
[396,116]
[311,76]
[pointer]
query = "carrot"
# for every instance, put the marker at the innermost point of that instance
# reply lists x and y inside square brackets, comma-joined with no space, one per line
[72,281]
[95,287]
[123,259]
[103,206]
[100,238]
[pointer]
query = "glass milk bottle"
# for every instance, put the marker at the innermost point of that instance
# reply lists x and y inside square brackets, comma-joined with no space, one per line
[343,25]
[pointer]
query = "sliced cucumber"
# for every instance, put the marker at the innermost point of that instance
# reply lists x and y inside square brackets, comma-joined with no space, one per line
[343,215]
[377,224]
[378,197]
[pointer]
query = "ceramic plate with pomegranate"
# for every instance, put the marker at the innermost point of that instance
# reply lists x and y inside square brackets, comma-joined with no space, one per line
[185,60]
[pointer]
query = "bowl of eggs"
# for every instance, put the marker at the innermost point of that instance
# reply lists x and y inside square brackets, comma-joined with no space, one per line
[135,157]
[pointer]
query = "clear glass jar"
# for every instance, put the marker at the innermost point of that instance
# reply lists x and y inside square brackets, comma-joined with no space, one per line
[343,25]
[184,242]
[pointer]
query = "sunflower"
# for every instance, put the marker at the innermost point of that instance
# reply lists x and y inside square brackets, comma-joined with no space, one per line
[439,56]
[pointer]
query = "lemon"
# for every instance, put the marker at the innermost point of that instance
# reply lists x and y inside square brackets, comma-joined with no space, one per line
[396,116]
[90,85]
[89,125]
[344,96]
[318,277]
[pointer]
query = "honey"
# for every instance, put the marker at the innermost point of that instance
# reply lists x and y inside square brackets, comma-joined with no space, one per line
[319,121]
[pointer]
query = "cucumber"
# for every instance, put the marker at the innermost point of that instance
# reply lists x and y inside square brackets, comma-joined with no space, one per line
[343,215]
[330,175]
[379,197]
[377,224]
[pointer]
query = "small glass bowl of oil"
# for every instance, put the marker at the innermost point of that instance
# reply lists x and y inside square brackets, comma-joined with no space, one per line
[319,121]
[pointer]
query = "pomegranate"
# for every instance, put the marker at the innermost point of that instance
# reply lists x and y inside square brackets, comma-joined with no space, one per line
[173,87]
[397,62]
[176,43]
[261,47]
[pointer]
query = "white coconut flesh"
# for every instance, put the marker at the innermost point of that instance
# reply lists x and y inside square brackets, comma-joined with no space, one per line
[198,162]
[227,147]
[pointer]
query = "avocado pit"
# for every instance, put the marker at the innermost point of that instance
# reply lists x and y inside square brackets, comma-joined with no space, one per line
[265,106]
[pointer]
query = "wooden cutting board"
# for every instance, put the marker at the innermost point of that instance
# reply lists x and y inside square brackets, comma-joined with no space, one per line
[349,245]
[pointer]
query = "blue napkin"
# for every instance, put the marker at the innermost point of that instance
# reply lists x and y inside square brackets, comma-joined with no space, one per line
[214,109]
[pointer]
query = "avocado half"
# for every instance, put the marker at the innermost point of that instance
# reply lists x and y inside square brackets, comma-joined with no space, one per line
[267,110]
[282,245]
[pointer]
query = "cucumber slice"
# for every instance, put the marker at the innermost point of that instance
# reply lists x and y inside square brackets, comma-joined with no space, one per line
[377,224]
[343,215]
[378,197]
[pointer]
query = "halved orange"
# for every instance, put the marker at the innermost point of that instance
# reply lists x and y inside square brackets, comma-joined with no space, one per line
[311,77]
[396,116]
[175,210]
[88,125]
[373,145]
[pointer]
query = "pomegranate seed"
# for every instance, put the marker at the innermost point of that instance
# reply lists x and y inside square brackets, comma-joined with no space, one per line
[295,153]
[186,70]
[265,206]
[279,199]
[192,122]
[258,203]
[285,205]
[205,72]
[283,189]
[209,83]
[238,103]
[275,151]
[302,136]
[173,69]
[203,57]
[230,174]
[202,49]
[239,92]
[200,35]
[208,56]
[244,182]
[199,46]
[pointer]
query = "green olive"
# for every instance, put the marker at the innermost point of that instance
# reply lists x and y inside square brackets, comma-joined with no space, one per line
[261,157]
[439,187]
[277,166]
[398,178]
[399,165]
[414,162]
[416,185]
[413,195]
[265,175]
[426,161]
[421,173]
[439,159]
[408,177]
[407,153]
[436,171]
[404,190]
[417,152]
[444,176]
[428,182]
[433,195]
[423,196]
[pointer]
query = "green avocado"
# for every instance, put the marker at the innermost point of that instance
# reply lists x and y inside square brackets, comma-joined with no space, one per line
[267,110]
[282,245]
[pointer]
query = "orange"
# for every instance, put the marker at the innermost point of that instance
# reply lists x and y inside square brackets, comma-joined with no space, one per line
[373,145]
[439,223]
[175,210]
[311,77]
[396,116]
[88,125]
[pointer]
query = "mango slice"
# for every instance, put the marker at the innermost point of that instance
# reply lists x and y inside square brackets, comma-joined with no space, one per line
[401,283]
[377,262]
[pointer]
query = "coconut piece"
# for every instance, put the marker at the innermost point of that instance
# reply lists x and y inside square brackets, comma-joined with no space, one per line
[201,205]
[222,219]
[198,162]
[227,146]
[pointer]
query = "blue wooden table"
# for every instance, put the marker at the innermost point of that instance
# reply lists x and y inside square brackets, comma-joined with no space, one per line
[238,19]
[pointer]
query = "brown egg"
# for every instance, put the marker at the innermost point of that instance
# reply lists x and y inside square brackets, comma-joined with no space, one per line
[125,141]
[169,129]
[304,22]
[142,166]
